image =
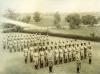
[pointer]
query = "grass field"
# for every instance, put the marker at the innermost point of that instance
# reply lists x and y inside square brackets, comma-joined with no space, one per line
[13,63]
[82,31]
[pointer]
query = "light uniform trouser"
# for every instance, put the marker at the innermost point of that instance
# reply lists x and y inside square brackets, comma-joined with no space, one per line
[78,60]
[66,56]
[70,56]
[31,57]
[4,44]
[36,63]
[10,48]
[36,59]
[82,54]
[61,57]
[50,63]
[42,57]
[78,66]
[19,48]
[90,54]
[15,48]
[26,56]
[74,54]
[85,52]
[46,58]
[42,61]
[57,58]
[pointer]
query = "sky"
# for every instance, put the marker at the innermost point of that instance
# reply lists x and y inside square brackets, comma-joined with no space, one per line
[51,5]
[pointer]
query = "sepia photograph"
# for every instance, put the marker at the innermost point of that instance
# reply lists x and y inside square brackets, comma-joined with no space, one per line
[49,36]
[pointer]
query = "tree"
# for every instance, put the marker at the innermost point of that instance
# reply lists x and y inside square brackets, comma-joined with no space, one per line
[11,14]
[73,20]
[98,19]
[17,29]
[36,17]
[57,19]
[89,20]
[26,19]
[8,25]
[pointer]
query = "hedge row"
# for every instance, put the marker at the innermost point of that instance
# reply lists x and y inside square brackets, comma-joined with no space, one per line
[97,39]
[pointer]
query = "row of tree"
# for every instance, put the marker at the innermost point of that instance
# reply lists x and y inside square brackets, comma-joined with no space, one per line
[73,19]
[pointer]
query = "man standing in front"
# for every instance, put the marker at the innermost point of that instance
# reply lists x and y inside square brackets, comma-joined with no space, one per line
[26,54]
[50,59]
[78,61]
[90,54]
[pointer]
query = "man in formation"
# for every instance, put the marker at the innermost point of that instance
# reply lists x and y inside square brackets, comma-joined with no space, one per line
[43,51]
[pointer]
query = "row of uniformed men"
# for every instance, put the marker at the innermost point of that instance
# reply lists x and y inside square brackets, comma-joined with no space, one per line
[58,53]
[18,41]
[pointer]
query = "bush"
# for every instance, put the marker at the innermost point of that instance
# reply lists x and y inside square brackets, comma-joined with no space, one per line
[73,20]
[89,20]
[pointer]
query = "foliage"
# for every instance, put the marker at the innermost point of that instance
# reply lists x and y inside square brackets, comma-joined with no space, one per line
[11,14]
[98,19]
[36,17]
[57,19]
[8,25]
[73,20]
[26,19]
[89,20]
[17,29]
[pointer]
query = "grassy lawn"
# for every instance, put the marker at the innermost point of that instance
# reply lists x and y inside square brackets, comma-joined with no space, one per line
[82,31]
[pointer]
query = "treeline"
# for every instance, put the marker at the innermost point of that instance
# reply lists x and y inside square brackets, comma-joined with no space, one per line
[74,20]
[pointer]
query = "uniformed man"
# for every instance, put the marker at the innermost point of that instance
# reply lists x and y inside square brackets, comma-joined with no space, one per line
[90,54]
[4,44]
[85,50]
[82,51]
[10,47]
[15,45]
[70,53]
[56,51]
[61,59]
[65,54]
[78,61]
[26,54]
[31,49]
[73,52]
[22,45]
[19,45]
[42,60]
[36,58]
[50,59]
[46,56]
